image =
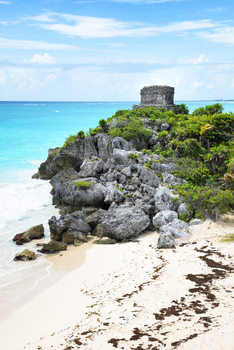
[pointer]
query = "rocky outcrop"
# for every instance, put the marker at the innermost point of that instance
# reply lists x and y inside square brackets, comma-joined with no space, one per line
[69,227]
[53,247]
[123,221]
[165,199]
[104,187]
[35,232]
[25,255]
[164,217]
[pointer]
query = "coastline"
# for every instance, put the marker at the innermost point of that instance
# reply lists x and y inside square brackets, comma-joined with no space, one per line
[108,292]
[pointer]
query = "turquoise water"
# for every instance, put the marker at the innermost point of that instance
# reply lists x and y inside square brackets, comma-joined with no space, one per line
[27,131]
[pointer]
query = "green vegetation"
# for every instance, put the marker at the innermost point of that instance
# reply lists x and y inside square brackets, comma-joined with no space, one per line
[134,156]
[83,185]
[81,135]
[229,237]
[130,126]
[201,144]
[69,140]
[56,151]
[103,125]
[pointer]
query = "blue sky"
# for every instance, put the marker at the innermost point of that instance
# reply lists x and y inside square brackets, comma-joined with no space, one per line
[107,50]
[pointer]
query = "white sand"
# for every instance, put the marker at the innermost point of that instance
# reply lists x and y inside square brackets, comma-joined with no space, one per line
[133,296]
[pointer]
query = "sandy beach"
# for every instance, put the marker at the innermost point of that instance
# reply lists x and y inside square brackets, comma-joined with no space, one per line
[133,296]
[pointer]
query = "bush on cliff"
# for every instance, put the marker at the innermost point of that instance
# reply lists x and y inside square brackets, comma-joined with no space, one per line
[130,126]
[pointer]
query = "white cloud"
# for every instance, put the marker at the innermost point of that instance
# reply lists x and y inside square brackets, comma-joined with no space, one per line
[5,3]
[197,60]
[42,59]
[32,45]
[98,27]
[220,35]
[83,83]
[216,9]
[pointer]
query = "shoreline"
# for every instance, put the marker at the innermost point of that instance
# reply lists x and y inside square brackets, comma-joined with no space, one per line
[100,295]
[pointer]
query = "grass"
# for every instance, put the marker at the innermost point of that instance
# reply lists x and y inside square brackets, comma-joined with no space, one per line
[229,237]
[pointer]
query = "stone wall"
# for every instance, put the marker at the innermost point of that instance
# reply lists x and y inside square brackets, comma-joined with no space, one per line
[158,96]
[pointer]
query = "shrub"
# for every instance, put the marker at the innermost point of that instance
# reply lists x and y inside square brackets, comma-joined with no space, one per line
[103,125]
[81,135]
[133,156]
[183,109]
[69,140]
[206,200]
[83,185]
[131,128]
[195,172]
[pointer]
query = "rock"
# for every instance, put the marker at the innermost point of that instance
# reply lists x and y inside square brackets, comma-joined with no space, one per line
[165,199]
[121,156]
[165,126]
[120,143]
[53,246]
[147,176]
[166,240]
[35,232]
[171,179]
[25,255]
[87,211]
[93,219]
[162,168]
[153,139]
[105,240]
[182,210]
[73,195]
[127,171]
[195,222]
[75,223]
[98,231]
[123,222]
[77,243]
[178,229]
[92,168]
[70,237]
[164,217]
[113,194]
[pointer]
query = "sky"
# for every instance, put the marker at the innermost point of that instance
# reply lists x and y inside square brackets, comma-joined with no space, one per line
[107,50]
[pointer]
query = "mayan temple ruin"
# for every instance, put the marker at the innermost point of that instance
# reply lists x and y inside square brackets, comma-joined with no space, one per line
[158,96]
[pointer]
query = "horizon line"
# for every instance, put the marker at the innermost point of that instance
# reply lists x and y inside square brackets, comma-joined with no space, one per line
[59,101]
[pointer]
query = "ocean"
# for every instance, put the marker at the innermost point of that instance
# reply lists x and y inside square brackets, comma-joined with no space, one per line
[27,131]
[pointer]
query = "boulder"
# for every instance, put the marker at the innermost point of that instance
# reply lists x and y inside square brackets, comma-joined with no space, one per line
[178,229]
[124,221]
[164,217]
[165,199]
[53,246]
[147,176]
[35,232]
[92,168]
[113,194]
[171,179]
[166,240]
[182,210]
[75,223]
[120,143]
[165,126]
[25,255]
[105,240]
[72,194]
[70,236]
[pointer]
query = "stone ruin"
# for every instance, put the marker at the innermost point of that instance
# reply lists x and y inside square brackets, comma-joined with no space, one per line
[158,96]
